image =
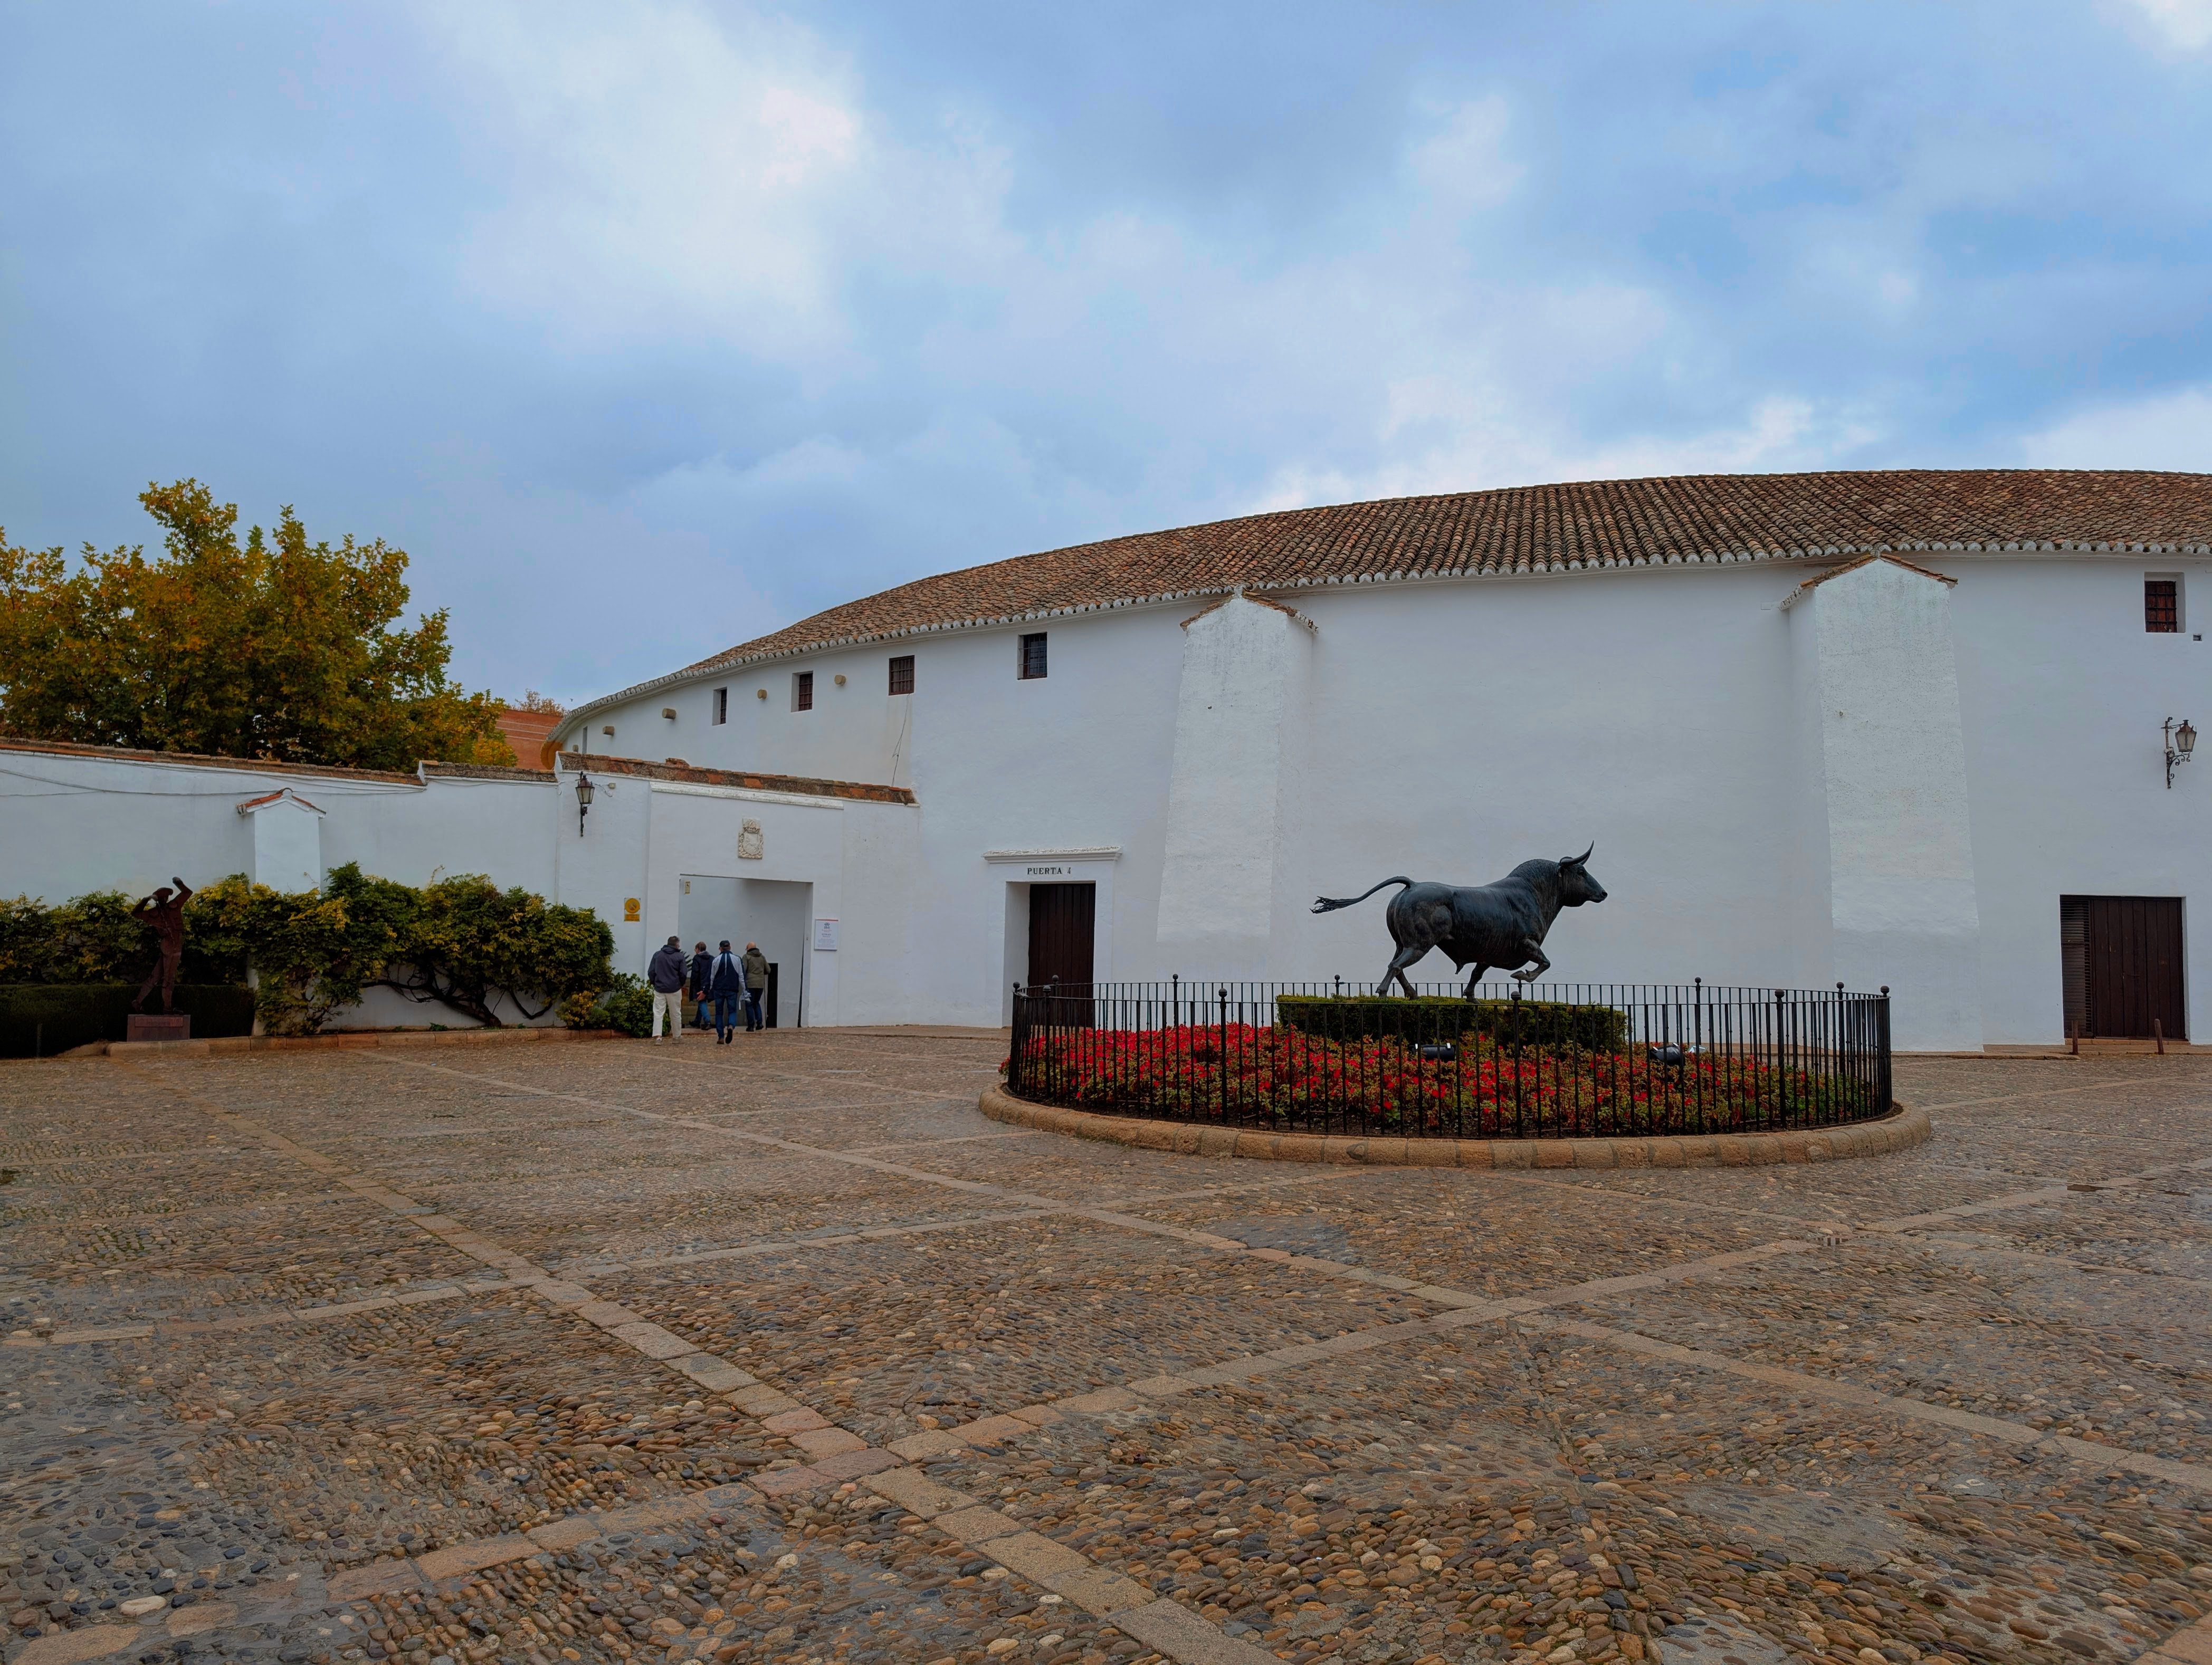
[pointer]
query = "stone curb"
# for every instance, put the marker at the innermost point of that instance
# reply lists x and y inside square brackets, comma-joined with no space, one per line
[224,1046]
[1901,1129]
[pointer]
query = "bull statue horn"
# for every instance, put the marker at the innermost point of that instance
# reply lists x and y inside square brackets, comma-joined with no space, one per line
[1577,860]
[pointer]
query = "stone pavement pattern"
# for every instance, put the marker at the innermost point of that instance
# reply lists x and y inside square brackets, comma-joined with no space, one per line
[783,1352]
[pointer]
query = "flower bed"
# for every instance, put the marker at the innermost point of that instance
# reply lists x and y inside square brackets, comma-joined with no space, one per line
[1243,1075]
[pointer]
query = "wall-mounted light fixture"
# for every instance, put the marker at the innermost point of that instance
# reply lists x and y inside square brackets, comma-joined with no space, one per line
[583,801]
[2180,741]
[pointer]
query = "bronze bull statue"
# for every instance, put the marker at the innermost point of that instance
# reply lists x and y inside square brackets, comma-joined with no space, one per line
[1498,925]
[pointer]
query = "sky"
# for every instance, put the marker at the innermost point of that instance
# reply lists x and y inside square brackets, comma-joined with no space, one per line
[647,326]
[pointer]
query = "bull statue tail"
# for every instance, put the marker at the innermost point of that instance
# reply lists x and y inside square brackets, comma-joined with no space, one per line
[1330,904]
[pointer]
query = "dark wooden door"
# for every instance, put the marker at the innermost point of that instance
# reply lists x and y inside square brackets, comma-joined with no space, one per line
[1062,920]
[2132,969]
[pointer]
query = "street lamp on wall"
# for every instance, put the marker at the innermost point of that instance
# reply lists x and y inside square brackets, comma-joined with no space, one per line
[2180,741]
[584,800]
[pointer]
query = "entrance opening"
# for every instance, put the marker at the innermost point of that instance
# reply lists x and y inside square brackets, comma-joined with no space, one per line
[770,912]
[2123,968]
[1062,919]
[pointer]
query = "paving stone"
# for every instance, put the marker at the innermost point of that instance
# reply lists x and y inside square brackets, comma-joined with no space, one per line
[233,1325]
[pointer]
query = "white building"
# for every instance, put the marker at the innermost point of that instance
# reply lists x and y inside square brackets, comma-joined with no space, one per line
[1890,728]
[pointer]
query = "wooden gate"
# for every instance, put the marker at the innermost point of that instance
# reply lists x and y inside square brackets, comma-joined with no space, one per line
[2122,966]
[1061,920]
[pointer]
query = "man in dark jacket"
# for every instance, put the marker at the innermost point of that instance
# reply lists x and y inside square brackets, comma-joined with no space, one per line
[727,985]
[702,975]
[755,984]
[664,971]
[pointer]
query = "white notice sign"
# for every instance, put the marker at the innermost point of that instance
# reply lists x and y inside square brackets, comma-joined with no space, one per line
[826,936]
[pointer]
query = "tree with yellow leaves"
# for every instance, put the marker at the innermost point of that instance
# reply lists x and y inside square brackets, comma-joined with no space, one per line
[272,648]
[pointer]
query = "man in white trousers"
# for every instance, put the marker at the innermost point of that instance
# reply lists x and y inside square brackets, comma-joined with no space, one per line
[665,972]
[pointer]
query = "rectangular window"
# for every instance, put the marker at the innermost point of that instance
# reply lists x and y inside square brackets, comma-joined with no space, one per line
[1033,656]
[903,674]
[2162,606]
[802,690]
[721,705]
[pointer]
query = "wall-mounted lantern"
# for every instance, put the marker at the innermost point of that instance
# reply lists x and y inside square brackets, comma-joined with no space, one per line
[583,801]
[2180,741]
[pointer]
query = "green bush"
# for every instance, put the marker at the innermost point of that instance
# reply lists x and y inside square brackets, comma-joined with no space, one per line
[462,942]
[94,939]
[313,950]
[1432,1019]
[40,1019]
[626,1003]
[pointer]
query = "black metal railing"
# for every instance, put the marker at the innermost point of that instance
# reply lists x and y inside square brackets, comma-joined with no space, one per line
[1545,1061]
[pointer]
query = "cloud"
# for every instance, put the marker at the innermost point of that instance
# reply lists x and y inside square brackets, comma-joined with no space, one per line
[1486,446]
[659,169]
[648,325]
[2183,24]
[2171,430]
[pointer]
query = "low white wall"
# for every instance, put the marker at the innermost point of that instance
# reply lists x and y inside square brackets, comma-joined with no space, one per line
[72,823]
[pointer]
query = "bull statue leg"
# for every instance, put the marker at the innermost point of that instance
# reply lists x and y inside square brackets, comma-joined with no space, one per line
[1535,951]
[1399,961]
[1473,978]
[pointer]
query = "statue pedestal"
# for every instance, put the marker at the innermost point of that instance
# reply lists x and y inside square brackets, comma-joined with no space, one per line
[157,1026]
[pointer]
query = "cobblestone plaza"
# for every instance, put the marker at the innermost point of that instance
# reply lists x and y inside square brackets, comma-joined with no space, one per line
[781,1351]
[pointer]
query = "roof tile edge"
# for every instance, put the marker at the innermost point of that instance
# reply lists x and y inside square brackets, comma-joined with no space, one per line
[204,760]
[746,779]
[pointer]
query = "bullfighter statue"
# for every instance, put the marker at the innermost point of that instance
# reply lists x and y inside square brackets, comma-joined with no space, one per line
[165,911]
[1500,924]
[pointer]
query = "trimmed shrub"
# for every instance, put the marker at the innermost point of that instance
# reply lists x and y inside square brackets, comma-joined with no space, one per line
[625,1004]
[1433,1019]
[40,1019]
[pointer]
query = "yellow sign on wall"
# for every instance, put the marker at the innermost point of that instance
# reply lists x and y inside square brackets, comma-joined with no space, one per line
[630,906]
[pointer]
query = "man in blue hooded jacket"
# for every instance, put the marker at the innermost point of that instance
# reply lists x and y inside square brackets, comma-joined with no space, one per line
[727,986]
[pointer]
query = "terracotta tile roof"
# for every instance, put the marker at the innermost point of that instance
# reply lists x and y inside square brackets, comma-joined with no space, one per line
[597,762]
[531,734]
[1684,519]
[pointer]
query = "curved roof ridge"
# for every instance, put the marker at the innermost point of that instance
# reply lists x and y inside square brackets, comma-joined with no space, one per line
[1664,519]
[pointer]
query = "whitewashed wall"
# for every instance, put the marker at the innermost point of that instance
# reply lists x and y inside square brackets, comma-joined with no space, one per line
[2063,692]
[1441,730]
[1448,730]
[71,822]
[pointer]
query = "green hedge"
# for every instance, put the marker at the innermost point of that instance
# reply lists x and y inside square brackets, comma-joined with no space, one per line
[40,1019]
[1536,1023]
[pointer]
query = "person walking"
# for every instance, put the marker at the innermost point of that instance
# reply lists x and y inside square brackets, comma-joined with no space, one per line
[702,975]
[664,971]
[727,985]
[755,984]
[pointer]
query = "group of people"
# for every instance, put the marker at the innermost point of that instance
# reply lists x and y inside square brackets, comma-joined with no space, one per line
[722,980]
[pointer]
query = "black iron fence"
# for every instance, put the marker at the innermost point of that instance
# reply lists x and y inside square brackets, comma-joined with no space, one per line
[1547,1060]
